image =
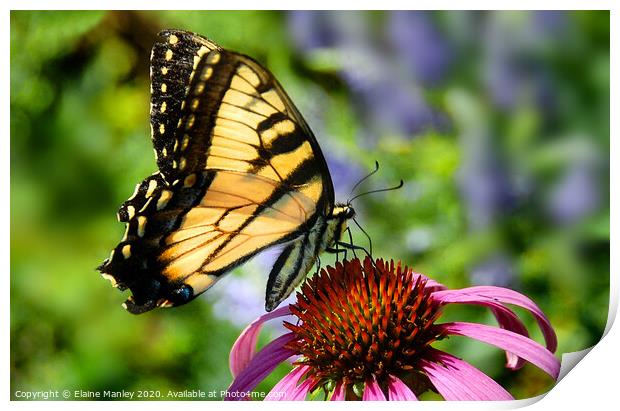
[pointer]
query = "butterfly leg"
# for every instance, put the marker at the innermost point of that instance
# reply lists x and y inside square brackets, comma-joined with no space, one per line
[353,247]
[365,233]
[337,251]
[318,265]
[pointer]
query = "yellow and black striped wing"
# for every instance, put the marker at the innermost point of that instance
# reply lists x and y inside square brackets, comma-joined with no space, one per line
[239,171]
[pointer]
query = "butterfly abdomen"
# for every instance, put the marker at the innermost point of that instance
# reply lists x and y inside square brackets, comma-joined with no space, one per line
[298,257]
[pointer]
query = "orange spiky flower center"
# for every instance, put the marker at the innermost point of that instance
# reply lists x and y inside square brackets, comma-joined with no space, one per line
[356,322]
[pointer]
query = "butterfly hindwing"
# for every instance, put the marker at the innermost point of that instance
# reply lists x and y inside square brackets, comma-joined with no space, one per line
[239,171]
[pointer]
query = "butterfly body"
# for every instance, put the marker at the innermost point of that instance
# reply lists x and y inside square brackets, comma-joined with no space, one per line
[239,171]
[300,255]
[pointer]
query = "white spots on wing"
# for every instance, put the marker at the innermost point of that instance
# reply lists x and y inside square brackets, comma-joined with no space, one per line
[206,73]
[173,39]
[126,233]
[163,303]
[131,211]
[111,279]
[168,55]
[164,197]
[195,103]
[126,250]
[141,225]
[213,57]
[190,122]
[185,142]
[151,188]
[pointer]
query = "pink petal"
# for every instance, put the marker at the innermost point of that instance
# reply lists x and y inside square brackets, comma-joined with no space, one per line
[508,320]
[281,391]
[456,380]
[502,295]
[300,392]
[509,341]
[245,347]
[338,394]
[372,391]
[262,364]
[398,390]
[431,285]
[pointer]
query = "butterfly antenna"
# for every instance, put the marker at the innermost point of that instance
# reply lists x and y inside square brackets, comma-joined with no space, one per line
[366,177]
[378,191]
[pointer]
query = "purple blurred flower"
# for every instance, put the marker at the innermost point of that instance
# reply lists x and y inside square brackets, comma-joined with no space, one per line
[576,196]
[420,45]
[496,270]
[514,57]
[484,184]
[551,24]
[388,97]
[238,301]
[396,105]
[312,29]
[366,332]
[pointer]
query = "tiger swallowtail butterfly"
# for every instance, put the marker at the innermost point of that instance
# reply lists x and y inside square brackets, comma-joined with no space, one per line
[239,171]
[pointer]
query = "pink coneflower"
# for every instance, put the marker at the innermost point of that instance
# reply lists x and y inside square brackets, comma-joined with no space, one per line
[366,332]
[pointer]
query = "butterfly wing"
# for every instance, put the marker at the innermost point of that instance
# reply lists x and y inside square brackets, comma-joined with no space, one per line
[239,171]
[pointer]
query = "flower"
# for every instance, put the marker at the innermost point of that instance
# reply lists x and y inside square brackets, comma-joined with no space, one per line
[366,331]
[388,96]
[421,45]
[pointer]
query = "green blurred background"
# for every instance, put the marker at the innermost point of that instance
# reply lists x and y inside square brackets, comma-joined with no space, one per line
[497,121]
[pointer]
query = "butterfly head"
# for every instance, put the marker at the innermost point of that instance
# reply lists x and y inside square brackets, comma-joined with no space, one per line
[343,212]
[339,217]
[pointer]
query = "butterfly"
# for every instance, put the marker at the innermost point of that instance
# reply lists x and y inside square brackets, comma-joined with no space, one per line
[239,171]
